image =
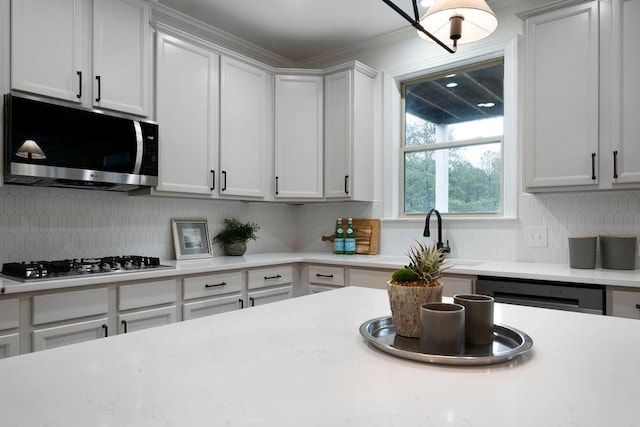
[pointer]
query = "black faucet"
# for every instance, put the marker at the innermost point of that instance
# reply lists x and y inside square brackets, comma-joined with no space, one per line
[439,244]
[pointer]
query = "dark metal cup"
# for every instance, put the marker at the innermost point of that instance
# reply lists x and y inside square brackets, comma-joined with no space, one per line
[478,318]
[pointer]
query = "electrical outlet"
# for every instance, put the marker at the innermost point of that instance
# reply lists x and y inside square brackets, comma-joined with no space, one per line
[279,240]
[535,237]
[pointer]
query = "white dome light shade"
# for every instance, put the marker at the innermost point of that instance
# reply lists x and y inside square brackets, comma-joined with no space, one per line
[478,20]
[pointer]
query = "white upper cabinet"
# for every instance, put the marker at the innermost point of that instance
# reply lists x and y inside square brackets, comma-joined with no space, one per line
[187,112]
[562,141]
[298,136]
[246,123]
[94,53]
[121,58]
[349,138]
[46,48]
[625,93]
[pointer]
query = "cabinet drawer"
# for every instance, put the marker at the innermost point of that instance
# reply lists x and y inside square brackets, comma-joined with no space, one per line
[376,279]
[211,284]
[266,277]
[326,275]
[146,294]
[69,305]
[9,313]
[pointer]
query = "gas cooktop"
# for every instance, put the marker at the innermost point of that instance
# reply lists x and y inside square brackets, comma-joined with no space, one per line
[69,268]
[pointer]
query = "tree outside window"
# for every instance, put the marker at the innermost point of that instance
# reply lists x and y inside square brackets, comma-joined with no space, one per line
[452,145]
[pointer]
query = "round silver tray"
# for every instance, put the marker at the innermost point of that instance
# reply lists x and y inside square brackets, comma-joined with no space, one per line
[507,344]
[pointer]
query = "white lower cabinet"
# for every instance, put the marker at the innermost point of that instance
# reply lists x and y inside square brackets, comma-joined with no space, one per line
[64,318]
[147,295]
[9,345]
[73,333]
[9,324]
[267,296]
[144,319]
[194,310]
[267,285]
[325,278]
[457,284]
[376,279]
[623,302]
[226,288]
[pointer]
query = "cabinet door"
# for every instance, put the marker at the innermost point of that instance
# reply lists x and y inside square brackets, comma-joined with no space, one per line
[623,302]
[146,319]
[187,109]
[625,91]
[338,133]
[349,137]
[244,116]
[562,97]
[270,295]
[454,284]
[298,137]
[46,48]
[9,345]
[59,336]
[121,58]
[194,310]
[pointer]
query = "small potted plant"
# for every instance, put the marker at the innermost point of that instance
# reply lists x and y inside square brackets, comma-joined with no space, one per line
[414,285]
[233,237]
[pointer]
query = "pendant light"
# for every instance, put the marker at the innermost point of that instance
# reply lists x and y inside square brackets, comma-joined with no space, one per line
[461,21]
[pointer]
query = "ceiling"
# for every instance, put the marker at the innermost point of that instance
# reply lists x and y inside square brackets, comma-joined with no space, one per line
[298,29]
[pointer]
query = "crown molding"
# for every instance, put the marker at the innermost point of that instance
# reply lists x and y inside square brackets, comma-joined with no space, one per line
[173,18]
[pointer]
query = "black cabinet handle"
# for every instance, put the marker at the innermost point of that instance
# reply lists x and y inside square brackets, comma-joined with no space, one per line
[124,325]
[215,285]
[213,180]
[79,73]
[637,305]
[346,184]
[224,175]
[277,276]
[330,276]
[277,185]
[615,164]
[99,88]
[252,302]
[241,301]
[593,165]
[106,330]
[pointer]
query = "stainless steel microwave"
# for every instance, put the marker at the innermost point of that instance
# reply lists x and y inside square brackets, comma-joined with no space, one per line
[48,144]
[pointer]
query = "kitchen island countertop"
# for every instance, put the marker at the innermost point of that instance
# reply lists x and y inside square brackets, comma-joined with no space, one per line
[512,269]
[302,362]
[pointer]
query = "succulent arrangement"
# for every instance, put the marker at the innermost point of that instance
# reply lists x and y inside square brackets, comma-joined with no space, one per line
[425,267]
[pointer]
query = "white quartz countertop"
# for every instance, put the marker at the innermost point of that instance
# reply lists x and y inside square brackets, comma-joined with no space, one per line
[302,362]
[525,270]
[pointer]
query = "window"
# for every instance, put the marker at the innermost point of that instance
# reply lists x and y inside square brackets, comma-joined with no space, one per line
[452,145]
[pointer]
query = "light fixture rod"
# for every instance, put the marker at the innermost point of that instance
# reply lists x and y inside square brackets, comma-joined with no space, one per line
[415,22]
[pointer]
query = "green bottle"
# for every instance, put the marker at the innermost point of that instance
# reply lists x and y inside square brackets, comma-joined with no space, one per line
[350,239]
[338,241]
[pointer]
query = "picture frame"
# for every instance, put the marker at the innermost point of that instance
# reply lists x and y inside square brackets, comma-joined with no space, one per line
[191,238]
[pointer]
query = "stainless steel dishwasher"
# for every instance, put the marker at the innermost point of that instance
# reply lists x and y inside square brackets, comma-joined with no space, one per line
[585,298]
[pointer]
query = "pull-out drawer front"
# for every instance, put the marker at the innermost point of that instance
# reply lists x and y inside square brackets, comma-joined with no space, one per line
[326,275]
[9,313]
[146,294]
[59,336]
[212,284]
[266,277]
[194,310]
[69,305]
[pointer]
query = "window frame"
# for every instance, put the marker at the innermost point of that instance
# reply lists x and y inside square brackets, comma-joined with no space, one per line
[393,128]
